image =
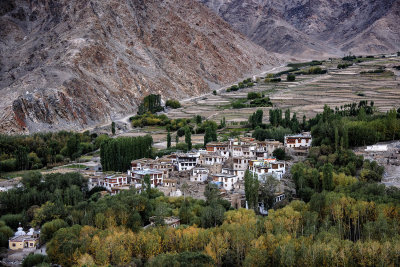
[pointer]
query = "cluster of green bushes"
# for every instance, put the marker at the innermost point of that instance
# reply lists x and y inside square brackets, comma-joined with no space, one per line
[244,84]
[305,64]
[344,65]
[172,103]
[27,152]
[312,70]
[272,78]
[149,119]
[349,58]
[291,77]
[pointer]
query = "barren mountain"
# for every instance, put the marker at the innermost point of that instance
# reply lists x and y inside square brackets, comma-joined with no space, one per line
[315,28]
[69,64]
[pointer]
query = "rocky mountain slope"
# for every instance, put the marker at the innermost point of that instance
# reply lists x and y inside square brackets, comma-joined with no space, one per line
[315,28]
[70,64]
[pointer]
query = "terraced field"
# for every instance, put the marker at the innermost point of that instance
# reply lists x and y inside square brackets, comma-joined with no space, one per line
[309,93]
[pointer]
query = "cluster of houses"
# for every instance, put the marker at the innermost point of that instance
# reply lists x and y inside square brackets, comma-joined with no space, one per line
[221,163]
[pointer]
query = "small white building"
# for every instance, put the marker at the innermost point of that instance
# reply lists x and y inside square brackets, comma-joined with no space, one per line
[113,181]
[225,180]
[187,161]
[268,167]
[302,140]
[156,177]
[199,174]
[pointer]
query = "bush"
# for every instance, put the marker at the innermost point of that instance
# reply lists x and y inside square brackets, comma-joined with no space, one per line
[8,165]
[214,92]
[172,103]
[34,260]
[253,95]
[279,153]
[181,132]
[291,77]
[238,104]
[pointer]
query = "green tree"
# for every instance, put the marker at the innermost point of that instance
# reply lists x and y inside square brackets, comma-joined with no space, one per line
[188,138]
[176,139]
[73,147]
[21,157]
[327,181]
[268,186]
[251,187]
[113,128]
[279,153]
[168,139]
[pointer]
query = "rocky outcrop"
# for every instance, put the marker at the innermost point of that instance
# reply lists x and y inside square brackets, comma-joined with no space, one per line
[71,64]
[315,28]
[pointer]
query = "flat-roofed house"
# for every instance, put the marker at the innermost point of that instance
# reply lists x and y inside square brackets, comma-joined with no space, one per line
[199,174]
[302,140]
[268,167]
[156,177]
[225,180]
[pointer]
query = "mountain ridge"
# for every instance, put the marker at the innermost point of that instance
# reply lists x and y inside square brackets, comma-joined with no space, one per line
[73,65]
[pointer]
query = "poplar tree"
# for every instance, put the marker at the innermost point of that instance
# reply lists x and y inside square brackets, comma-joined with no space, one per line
[169,139]
[188,138]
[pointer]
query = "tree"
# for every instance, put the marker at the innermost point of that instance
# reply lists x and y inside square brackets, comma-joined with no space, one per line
[73,147]
[113,128]
[211,193]
[268,187]
[279,153]
[31,179]
[327,181]
[169,139]
[176,139]
[256,119]
[286,122]
[188,138]
[21,157]
[214,92]
[185,213]
[251,186]
[49,228]
[198,119]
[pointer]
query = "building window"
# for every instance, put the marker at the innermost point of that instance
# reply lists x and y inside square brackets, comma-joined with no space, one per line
[13,244]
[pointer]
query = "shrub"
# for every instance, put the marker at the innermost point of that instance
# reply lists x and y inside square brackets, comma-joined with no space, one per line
[34,260]
[253,95]
[291,77]
[172,103]
[214,92]
[238,104]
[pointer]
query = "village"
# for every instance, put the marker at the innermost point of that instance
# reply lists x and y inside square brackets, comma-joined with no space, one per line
[221,163]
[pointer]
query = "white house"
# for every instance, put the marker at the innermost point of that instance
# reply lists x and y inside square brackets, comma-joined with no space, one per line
[187,161]
[199,174]
[302,140]
[268,167]
[225,180]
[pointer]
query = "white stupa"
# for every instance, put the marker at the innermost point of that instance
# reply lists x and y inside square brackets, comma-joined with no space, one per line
[20,231]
